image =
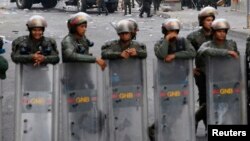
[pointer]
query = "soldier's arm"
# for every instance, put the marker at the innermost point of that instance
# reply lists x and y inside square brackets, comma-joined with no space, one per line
[205,50]
[191,39]
[70,55]
[53,58]
[188,53]
[142,51]
[108,53]
[19,58]
[234,45]
[161,49]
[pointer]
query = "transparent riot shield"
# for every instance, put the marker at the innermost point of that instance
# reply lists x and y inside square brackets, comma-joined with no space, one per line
[174,100]
[82,98]
[226,94]
[127,100]
[36,110]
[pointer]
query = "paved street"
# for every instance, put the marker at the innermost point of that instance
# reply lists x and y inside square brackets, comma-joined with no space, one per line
[12,25]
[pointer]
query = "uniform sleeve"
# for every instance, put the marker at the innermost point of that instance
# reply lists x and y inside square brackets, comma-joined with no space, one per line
[142,51]
[161,49]
[206,50]
[17,57]
[234,45]
[70,55]
[53,58]
[189,52]
[191,39]
[108,53]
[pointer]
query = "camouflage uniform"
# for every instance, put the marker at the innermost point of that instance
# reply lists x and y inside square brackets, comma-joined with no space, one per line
[113,49]
[181,47]
[163,48]
[210,48]
[74,50]
[24,47]
[197,38]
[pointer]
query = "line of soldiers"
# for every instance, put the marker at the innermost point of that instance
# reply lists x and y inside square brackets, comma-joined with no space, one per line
[209,40]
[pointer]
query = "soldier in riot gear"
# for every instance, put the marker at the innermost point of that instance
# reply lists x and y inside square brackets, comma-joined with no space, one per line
[197,38]
[171,47]
[35,48]
[218,46]
[124,47]
[75,45]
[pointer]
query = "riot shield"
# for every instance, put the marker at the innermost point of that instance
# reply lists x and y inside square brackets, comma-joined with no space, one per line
[82,108]
[174,100]
[226,95]
[36,110]
[126,100]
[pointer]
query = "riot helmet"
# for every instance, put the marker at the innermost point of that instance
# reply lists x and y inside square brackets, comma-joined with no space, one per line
[76,20]
[36,21]
[124,26]
[170,25]
[206,12]
[220,24]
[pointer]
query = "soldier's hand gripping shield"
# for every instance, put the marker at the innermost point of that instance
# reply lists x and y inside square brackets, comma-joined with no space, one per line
[36,110]
[174,104]
[226,94]
[82,108]
[126,99]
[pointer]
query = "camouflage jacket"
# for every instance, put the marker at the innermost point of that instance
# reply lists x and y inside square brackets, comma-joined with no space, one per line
[184,50]
[74,50]
[211,49]
[113,49]
[198,37]
[23,48]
